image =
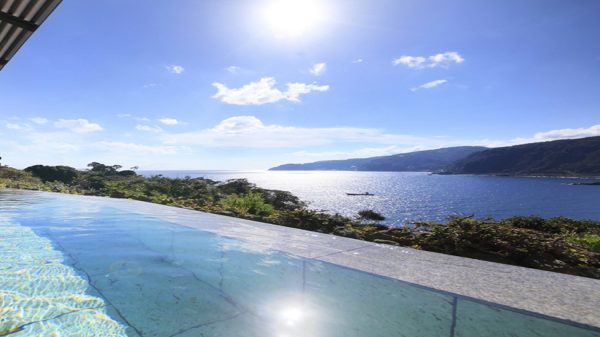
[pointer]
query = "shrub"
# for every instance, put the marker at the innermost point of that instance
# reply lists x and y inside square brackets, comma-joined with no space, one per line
[557,225]
[370,215]
[245,204]
[282,199]
[533,222]
[589,241]
[236,186]
[64,174]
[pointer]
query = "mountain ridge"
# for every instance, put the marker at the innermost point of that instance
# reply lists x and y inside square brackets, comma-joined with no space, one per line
[565,157]
[418,161]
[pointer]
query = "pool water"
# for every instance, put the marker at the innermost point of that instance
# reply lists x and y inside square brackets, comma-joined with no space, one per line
[75,267]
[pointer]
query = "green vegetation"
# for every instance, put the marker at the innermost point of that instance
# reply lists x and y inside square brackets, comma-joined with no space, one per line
[62,174]
[569,157]
[369,215]
[557,244]
[589,241]
[251,203]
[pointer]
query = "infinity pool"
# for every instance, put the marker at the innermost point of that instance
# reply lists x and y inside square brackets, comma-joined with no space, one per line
[74,267]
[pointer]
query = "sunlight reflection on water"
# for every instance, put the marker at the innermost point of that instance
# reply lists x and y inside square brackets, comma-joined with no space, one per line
[411,196]
[39,296]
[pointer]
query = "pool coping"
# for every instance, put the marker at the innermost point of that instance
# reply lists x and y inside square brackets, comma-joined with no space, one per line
[572,299]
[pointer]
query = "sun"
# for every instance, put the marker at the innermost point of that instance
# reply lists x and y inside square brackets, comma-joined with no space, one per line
[293,18]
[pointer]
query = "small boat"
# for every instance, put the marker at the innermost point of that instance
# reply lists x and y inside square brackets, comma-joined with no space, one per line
[354,194]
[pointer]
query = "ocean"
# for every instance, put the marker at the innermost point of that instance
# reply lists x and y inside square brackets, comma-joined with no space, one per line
[405,197]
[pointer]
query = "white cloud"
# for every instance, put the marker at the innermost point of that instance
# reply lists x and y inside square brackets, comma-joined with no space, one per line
[263,92]
[419,62]
[14,126]
[54,136]
[175,69]
[148,128]
[169,121]
[53,143]
[410,61]
[28,147]
[152,85]
[358,61]
[250,132]
[76,149]
[446,58]
[132,148]
[233,69]
[545,136]
[429,85]
[139,119]
[318,69]
[296,89]
[47,144]
[80,125]
[592,131]
[38,120]
[439,142]
[254,93]
[358,153]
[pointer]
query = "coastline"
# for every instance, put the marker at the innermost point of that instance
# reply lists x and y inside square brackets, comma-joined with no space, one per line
[541,175]
[536,175]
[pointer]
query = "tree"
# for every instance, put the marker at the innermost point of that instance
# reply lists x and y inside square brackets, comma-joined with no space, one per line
[104,169]
[91,181]
[64,174]
[127,173]
[281,199]
[370,215]
[236,186]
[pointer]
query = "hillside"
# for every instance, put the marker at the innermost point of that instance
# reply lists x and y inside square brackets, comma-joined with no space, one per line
[571,157]
[430,160]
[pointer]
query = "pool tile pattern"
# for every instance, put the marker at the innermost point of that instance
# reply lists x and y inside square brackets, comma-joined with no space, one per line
[40,296]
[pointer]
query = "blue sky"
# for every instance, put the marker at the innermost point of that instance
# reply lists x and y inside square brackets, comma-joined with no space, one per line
[251,84]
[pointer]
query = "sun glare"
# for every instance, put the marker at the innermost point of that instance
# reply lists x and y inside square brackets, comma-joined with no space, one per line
[293,18]
[292,315]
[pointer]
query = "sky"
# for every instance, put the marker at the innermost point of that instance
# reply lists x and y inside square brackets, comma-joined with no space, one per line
[251,84]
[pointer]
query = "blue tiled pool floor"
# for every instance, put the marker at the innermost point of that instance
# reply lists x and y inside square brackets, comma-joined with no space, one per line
[94,270]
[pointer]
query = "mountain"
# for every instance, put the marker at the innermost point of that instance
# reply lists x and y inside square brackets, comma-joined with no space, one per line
[430,160]
[570,157]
